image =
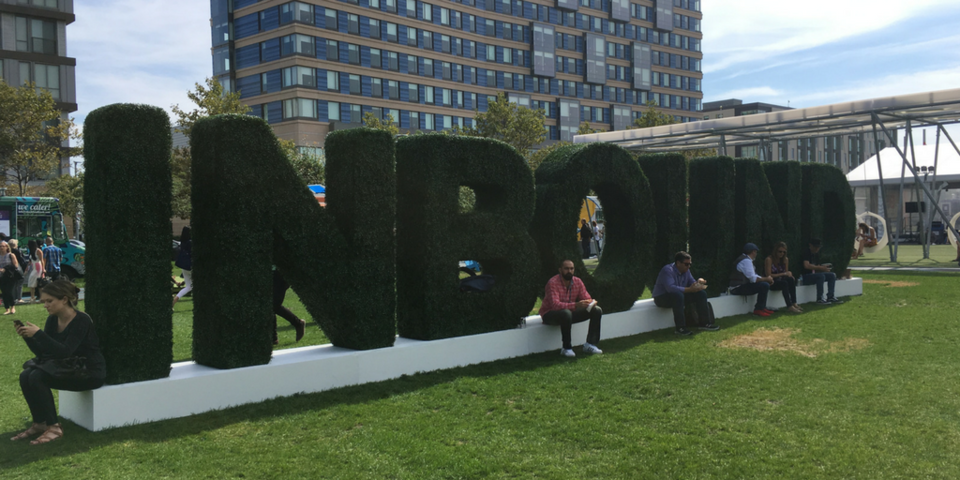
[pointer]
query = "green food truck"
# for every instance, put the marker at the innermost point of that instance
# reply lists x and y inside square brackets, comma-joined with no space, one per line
[35,218]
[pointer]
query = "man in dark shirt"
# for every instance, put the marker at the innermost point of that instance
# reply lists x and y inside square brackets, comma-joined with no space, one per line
[814,272]
[676,287]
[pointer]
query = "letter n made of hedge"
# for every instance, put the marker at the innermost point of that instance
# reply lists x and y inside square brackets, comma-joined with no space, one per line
[564,179]
[127,213]
[433,236]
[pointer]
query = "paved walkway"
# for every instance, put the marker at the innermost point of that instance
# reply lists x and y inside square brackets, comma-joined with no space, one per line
[906,269]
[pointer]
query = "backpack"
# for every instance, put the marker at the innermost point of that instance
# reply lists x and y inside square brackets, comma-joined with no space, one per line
[692,318]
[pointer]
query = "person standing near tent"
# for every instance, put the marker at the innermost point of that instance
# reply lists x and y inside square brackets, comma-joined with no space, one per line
[586,234]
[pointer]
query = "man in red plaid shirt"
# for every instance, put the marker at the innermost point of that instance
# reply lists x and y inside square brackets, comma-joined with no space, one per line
[565,302]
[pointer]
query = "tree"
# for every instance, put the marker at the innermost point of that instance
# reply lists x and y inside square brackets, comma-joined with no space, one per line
[310,168]
[506,121]
[209,100]
[652,117]
[388,124]
[586,129]
[69,189]
[536,158]
[32,134]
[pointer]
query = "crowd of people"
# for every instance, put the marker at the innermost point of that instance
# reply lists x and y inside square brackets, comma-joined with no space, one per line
[35,268]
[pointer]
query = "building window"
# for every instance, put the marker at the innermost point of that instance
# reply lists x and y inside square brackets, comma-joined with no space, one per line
[333,111]
[393,61]
[411,64]
[375,59]
[415,120]
[392,6]
[427,40]
[333,81]
[413,91]
[39,3]
[44,77]
[376,85]
[299,108]
[355,85]
[330,22]
[393,91]
[428,121]
[297,44]
[427,67]
[354,113]
[299,77]
[445,66]
[392,32]
[428,96]
[427,12]
[296,12]
[353,52]
[333,50]
[36,36]
[353,24]
[374,28]
[491,53]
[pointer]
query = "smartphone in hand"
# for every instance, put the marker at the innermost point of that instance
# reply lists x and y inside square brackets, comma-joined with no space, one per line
[17,323]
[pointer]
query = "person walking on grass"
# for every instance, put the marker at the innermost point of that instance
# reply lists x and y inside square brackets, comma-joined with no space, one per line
[185,263]
[565,302]
[815,273]
[676,287]
[745,281]
[67,334]
[280,287]
[36,270]
[8,269]
[52,256]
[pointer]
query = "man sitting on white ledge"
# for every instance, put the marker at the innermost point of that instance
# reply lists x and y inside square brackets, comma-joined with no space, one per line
[565,302]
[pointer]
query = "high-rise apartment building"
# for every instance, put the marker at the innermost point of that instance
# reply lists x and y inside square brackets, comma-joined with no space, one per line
[313,66]
[33,48]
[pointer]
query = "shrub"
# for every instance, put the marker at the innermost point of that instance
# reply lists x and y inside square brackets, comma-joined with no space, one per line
[433,236]
[127,203]
[785,185]
[758,216]
[239,233]
[564,179]
[667,174]
[828,213]
[712,221]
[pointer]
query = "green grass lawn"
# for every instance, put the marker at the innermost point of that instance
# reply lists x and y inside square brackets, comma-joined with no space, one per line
[653,406]
[941,256]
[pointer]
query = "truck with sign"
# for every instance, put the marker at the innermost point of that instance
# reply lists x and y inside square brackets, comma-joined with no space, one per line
[35,218]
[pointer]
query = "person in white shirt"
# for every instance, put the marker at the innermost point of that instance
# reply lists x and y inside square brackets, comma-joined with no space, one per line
[745,281]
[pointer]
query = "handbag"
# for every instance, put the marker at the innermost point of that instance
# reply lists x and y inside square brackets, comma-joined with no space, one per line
[70,368]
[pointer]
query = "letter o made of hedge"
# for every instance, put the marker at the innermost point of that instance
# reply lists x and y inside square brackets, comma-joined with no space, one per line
[127,218]
[433,236]
[829,213]
[564,179]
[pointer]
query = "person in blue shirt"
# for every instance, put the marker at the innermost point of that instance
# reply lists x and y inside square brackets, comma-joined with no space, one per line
[676,287]
[52,256]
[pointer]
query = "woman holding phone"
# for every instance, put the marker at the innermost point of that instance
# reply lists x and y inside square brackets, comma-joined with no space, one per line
[67,334]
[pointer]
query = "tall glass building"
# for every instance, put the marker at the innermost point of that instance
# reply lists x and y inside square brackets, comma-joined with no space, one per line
[310,67]
[33,48]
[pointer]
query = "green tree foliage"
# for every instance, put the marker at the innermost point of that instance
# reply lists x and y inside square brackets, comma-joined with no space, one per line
[537,157]
[32,134]
[69,189]
[521,128]
[652,117]
[312,169]
[388,124]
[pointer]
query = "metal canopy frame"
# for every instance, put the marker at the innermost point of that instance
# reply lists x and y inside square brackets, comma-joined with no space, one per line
[930,109]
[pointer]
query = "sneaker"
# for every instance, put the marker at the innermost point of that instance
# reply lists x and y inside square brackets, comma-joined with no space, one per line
[761,313]
[591,349]
[823,302]
[683,331]
[770,311]
[834,300]
[567,352]
[712,327]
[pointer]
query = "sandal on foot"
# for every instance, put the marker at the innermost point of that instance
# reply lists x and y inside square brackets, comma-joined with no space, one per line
[52,433]
[34,429]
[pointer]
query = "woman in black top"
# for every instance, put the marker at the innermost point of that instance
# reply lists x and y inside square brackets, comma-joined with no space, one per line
[67,333]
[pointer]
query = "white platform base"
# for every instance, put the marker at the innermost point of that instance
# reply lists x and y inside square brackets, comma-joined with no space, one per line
[193,388]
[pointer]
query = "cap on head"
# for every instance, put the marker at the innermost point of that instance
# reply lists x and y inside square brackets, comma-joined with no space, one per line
[815,242]
[750,248]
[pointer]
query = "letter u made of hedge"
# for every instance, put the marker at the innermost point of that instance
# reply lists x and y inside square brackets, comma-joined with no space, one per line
[712,221]
[433,236]
[127,219]
[252,211]
[564,180]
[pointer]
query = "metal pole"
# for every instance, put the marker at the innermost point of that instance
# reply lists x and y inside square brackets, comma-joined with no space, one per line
[723,145]
[936,160]
[925,189]
[883,196]
[921,230]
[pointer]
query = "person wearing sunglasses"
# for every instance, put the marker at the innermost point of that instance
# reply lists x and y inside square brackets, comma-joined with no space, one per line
[745,281]
[676,287]
[776,266]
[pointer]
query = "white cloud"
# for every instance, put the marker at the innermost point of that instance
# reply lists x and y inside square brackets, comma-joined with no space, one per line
[139,52]
[740,32]
[887,86]
[750,94]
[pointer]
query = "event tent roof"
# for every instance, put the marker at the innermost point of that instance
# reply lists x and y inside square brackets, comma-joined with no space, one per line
[838,119]
[868,175]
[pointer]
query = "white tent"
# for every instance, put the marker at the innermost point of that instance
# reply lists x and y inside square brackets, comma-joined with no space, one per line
[868,175]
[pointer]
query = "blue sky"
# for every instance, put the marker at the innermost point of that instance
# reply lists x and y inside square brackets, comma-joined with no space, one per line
[807,53]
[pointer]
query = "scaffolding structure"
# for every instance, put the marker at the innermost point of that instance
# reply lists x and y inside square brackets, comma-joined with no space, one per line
[879,117]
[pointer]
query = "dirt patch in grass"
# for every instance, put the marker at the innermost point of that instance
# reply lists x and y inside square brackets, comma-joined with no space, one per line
[781,339]
[890,283]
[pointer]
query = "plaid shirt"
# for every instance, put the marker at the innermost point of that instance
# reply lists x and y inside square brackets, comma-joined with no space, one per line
[558,297]
[52,255]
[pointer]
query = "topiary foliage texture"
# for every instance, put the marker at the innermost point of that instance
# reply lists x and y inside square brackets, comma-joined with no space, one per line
[564,179]
[828,213]
[238,233]
[127,203]
[712,219]
[785,185]
[667,174]
[433,236]
[758,218]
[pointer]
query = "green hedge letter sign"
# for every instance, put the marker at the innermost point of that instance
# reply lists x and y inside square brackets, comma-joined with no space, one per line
[433,236]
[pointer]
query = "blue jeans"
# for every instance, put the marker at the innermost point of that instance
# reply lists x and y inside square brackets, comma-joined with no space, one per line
[677,300]
[760,288]
[818,278]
